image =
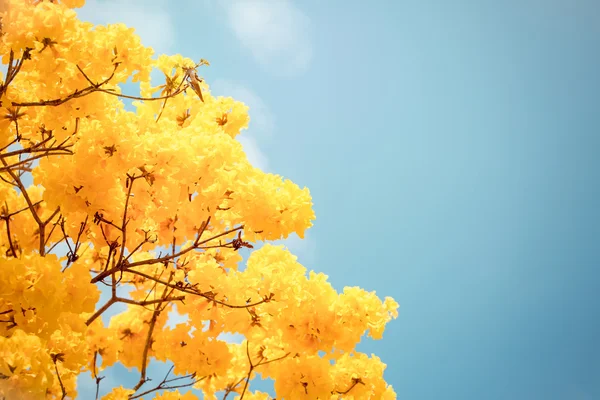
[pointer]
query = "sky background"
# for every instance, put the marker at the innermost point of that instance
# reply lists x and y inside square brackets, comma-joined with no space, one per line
[452,152]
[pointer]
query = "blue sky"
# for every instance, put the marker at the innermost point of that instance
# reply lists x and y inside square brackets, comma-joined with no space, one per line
[452,151]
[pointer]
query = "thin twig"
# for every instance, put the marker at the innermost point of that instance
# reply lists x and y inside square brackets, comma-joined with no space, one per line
[251,368]
[95,375]
[41,225]
[355,381]
[148,344]
[91,89]
[161,385]
[199,293]
[167,258]
[62,386]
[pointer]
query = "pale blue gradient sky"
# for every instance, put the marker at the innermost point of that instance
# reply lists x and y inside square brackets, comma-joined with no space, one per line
[452,150]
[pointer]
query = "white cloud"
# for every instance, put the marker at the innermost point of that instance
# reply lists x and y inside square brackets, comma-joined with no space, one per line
[255,156]
[276,32]
[151,20]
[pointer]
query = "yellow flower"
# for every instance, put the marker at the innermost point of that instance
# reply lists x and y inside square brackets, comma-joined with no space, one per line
[119,393]
[156,206]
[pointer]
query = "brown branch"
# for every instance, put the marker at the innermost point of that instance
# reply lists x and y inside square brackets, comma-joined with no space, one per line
[148,344]
[130,181]
[167,80]
[9,215]
[40,146]
[4,86]
[94,87]
[355,381]
[117,299]
[167,258]
[231,387]
[144,98]
[153,288]
[165,381]
[261,361]
[59,357]
[54,150]
[72,255]
[113,286]
[101,310]
[9,144]
[64,232]
[6,216]
[26,150]
[98,217]
[249,370]
[10,242]
[199,293]
[149,302]
[31,159]
[54,225]
[54,245]
[139,246]
[24,192]
[76,94]
[195,246]
[47,221]
[95,375]
[7,181]
[12,71]
[41,224]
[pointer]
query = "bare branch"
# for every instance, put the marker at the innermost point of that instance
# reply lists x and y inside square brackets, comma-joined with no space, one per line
[252,366]
[59,357]
[148,344]
[208,296]
[94,87]
[196,245]
[95,375]
[355,381]
[163,385]
[130,181]
[101,310]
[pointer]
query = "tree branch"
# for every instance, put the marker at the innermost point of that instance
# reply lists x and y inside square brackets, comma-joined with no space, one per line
[59,357]
[148,344]
[252,367]
[207,296]
[163,385]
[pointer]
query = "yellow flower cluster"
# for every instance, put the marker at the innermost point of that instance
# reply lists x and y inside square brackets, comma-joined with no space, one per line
[44,314]
[159,200]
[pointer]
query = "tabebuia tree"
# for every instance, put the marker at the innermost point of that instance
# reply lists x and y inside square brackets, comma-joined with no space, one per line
[160,198]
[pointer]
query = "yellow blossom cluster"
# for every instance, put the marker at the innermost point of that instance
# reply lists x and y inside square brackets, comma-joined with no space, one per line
[159,200]
[44,313]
